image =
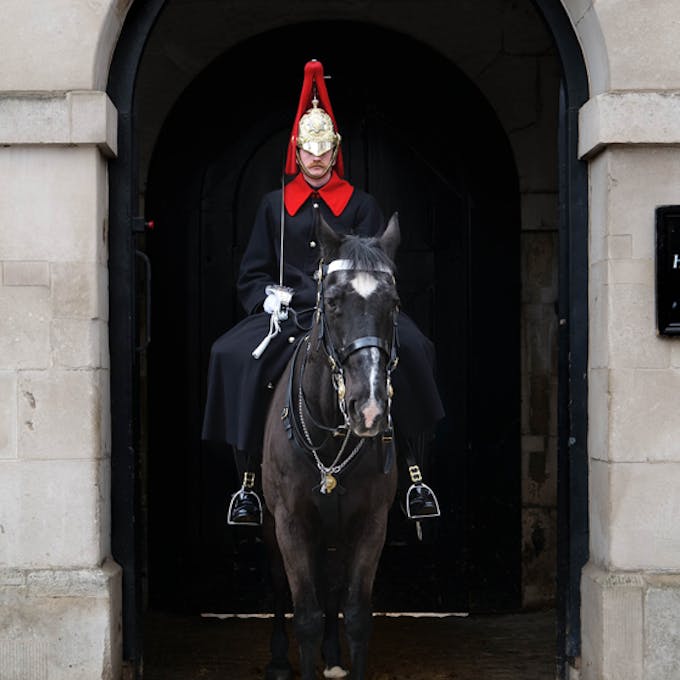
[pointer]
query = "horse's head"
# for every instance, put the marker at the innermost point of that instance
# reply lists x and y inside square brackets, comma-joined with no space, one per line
[359,307]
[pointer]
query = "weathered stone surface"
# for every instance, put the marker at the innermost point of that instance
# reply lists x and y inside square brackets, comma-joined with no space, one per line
[63,625]
[79,343]
[628,118]
[56,195]
[662,630]
[26,274]
[25,658]
[631,625]
[612,621]
[599,495]
[8,415]
[598,411]
[619,246]
[592,43]
[539,267]
[60,414]
[627,184]
[68,47]
[80,290]
[52,514]
[539,556]
[24,327]
[642,405]
[63,118]
[631,330]
[539,472]
[598,311]
[640,39]
[540,328]
[634,505]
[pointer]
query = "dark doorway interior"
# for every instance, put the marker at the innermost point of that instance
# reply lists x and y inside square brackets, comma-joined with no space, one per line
[420,137]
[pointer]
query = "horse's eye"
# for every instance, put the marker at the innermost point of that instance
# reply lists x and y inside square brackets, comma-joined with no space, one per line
[333,299]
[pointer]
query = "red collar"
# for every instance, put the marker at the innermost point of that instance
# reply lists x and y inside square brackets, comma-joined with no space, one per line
[335,193]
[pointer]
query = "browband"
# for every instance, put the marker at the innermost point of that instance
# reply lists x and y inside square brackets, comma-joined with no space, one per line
[343,265]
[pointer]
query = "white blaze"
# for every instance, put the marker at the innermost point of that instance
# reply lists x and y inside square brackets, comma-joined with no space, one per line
[372,409]
[364,284]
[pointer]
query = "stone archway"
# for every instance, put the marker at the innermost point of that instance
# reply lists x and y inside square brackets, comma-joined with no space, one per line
[123,208]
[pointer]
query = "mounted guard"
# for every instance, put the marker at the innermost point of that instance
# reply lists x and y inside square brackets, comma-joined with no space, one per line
[278,288]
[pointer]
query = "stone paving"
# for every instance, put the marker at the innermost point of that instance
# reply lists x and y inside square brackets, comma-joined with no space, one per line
[498,647]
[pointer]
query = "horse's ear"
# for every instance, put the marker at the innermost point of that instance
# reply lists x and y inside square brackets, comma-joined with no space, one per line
[328,239]
[389,241]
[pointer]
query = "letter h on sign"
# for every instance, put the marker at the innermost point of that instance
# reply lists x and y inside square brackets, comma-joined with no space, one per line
[668,269]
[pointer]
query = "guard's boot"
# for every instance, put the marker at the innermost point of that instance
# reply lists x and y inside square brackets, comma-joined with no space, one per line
[245,507]
[421,501]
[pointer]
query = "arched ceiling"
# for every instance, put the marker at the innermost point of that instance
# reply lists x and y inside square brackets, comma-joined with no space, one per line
[503,47]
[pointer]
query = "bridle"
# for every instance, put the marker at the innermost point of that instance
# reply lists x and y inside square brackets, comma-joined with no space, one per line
[338,356]
[293,415]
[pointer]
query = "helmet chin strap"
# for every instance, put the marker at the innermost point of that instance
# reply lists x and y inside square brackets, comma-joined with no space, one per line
[304,170]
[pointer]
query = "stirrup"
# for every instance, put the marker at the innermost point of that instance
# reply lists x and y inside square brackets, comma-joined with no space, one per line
[243,497]
[424,489]
[419,488]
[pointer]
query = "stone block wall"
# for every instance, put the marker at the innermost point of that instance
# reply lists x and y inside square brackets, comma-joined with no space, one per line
[60,593]
[630,587]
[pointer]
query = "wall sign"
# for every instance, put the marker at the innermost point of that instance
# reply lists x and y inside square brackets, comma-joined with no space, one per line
[668,269]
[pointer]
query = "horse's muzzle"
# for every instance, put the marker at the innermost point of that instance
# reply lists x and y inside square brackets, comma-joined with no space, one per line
[368,418]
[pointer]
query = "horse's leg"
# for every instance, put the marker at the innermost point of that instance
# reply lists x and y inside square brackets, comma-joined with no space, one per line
[300,556]
[279,667]
[358,608]
[331,634]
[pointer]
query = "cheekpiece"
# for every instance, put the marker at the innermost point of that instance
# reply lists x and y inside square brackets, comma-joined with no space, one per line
[316,133]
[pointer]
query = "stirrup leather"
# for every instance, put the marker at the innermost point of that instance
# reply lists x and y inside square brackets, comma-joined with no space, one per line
[245,492]
[418,485]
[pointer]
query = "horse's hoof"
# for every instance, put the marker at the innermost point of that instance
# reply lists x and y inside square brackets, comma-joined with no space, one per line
[278,673]
[335,672]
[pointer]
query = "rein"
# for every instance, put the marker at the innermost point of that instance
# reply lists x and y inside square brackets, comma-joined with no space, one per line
[293,415]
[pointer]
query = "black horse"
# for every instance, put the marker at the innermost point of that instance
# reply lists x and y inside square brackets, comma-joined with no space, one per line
[328,474]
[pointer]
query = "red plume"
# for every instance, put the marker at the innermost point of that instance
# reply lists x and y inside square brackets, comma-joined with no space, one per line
[313,76]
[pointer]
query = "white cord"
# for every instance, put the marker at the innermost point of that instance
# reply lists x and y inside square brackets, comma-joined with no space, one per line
[274,329]
[278,297]
[276,303]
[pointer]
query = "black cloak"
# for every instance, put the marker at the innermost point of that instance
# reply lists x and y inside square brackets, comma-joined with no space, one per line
[240,386]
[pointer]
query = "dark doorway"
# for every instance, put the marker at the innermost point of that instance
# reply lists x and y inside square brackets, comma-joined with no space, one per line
[420,137]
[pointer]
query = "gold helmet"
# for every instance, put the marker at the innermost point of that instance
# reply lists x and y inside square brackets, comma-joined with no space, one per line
[314,128]
[316,132]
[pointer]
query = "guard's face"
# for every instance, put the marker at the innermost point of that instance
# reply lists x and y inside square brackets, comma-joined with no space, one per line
[316,167]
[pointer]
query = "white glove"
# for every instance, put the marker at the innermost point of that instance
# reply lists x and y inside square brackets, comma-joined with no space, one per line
[271,303]
[277,300]
[276,305]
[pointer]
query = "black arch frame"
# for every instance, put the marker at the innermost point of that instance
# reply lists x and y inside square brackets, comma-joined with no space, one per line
[572,461]
[123,209]
[573,330]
